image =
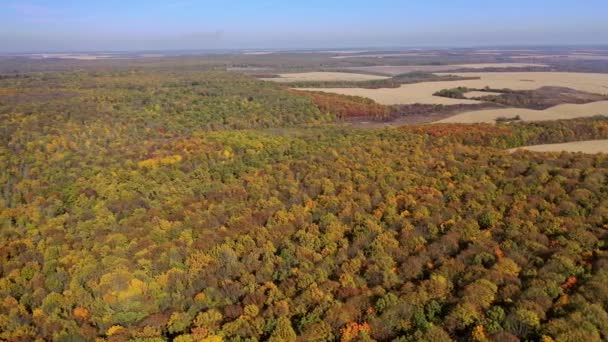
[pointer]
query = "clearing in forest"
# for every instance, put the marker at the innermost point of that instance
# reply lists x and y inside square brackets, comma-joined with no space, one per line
[559,112]
[423,92]
[406,94]
[589,82]
[589,146]
[393,70]
[324,77]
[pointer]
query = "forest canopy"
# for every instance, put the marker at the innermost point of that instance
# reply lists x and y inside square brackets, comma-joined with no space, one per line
[208,206]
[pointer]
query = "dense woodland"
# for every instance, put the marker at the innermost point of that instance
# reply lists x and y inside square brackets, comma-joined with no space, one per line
[207,206]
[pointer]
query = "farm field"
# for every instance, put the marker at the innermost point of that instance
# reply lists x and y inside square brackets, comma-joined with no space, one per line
[324,76]
[402,69]
[588,146]
[560,112]
[405,94]
[423,92]
[589,82]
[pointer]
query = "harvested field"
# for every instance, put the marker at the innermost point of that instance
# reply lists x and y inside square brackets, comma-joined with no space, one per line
[406,94]
[423,92]
[402,69]
[541,98]
[589,146]
[588,82]
[560,112]
[324,76]
[393,82]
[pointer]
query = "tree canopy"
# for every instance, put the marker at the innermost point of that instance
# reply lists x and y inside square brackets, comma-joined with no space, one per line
[152,206]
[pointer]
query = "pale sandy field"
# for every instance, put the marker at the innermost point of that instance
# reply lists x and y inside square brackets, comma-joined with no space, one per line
[406,94]
[324,76]
[402,69]
[588,146]
[589,82]
[423,92]
[563,111]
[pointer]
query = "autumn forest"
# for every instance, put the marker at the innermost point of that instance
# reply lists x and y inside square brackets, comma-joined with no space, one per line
[191,204]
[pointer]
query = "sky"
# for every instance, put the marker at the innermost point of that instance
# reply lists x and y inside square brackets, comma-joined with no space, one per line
[138,25]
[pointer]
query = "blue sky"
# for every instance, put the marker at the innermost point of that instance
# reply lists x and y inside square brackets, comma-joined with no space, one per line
[73,25]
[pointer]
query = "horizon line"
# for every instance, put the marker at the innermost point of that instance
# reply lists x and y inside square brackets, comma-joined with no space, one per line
[308,49]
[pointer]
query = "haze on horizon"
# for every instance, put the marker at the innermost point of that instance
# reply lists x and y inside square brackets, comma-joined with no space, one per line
[112,25]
